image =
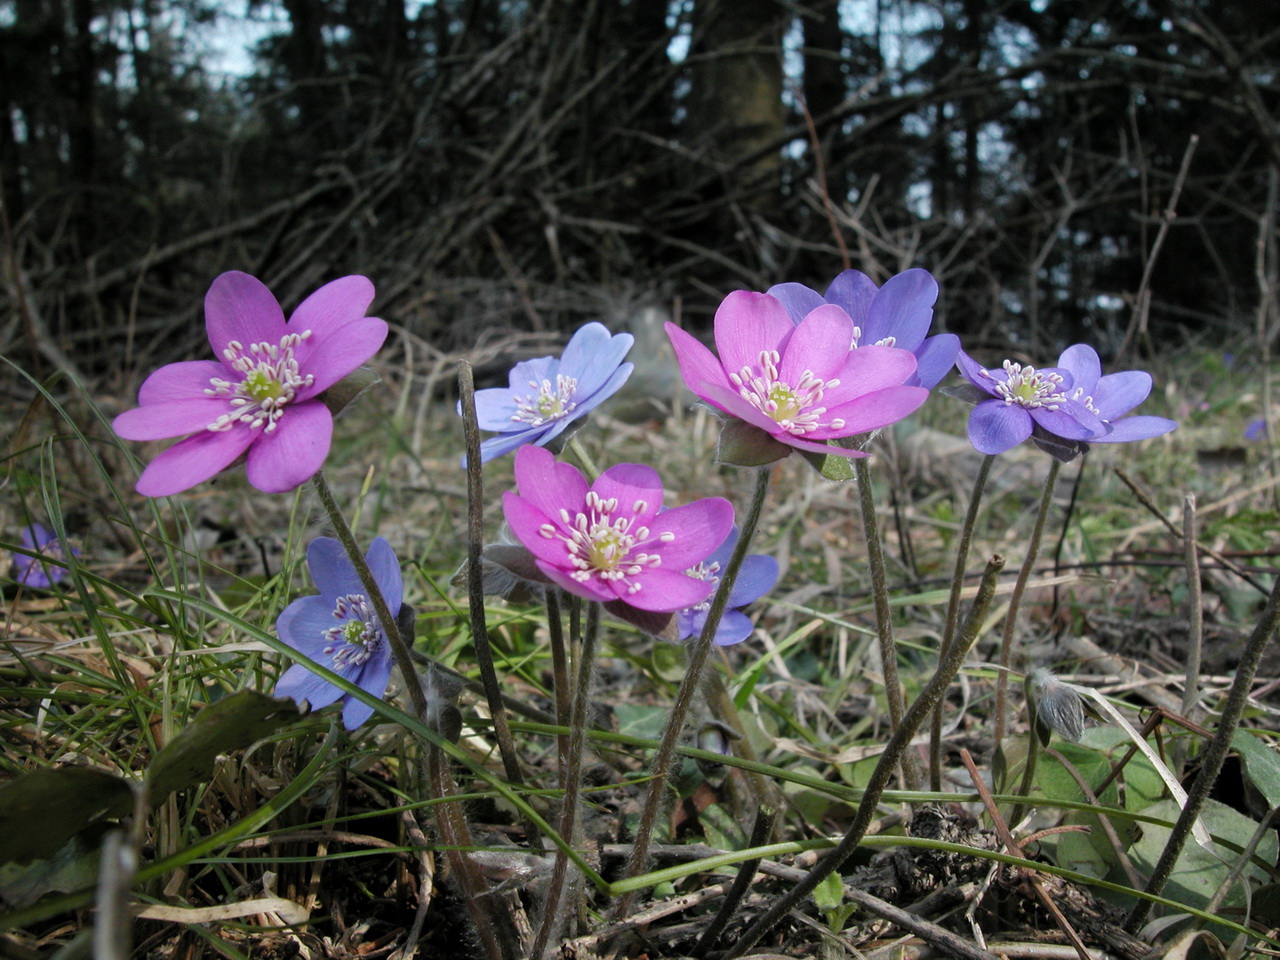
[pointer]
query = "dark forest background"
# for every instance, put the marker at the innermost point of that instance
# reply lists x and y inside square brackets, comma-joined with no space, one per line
[497,165]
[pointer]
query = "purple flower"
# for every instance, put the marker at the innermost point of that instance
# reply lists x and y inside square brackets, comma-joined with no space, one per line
[756,577]
[261,397]
[1063,408]
[607,541]
[32,572]
[339,629]
[895,315]
[546,395]
[1256,430]
[800,384]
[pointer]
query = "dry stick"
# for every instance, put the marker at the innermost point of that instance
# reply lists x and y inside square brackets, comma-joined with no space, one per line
[760,835]
[884,617]
[399,649]
[1214,755]
[1015,599]
[888,762]
[1264,271]
[475,582]
[552,917]
[1145,499]
[661,766]
[1195,623]
[953,614]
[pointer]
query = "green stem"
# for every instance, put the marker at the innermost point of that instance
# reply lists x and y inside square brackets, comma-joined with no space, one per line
[889,760]
[584,458]
[688,688]
[953,613]
[399,649]
[1015,599]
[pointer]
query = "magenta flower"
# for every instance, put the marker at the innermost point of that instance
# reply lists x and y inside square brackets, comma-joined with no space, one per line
[547,394]
[33,572]
[340,630]
[895,315]
[607,541]
[800,384]
[261,397]
[756,577]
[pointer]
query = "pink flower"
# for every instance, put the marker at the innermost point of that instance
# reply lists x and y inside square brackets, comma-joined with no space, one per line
[801,384]
[607,541]
[261,397]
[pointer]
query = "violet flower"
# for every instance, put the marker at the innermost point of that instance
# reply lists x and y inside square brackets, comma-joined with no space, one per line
[798,384]
[340,630]
[547,394]
[33,572]
[261,397]
[607,541]
[1062,408]
[756,577]
[897,314]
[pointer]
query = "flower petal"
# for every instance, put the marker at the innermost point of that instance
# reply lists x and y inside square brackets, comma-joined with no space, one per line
[495,410]
[756,577]
[868,370]
[331,571]
[333,306]
[590,589]
[995,426]
[814,446]
[372,679]
[330,359]
[526,522]
[747,323]
[1118,393]
[294,451]
[1136,428]
[819,345]
[1081,360]
[1072,421]
[872,411]
[798,300]
[734,627]
[636,487]
[386,574]
[193,460]
[977,374]
[853,290]
[698,366]
[663,591]
[592,354]
[299,683]
[902,309]
[934,359]
[696,529]
[548,484]
[240,307]
[187,380]
[176,418]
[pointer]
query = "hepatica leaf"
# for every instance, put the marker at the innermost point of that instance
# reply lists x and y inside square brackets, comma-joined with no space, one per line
[43,809]
[232,723]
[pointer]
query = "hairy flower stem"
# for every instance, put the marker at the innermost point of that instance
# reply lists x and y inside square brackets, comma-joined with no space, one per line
[399,649]
[1015,599]
[661,768]
[475,581]
[911,721]
[559,670]
[1214,756]
[553,916]
[884,616]
[761,833]
[953,613]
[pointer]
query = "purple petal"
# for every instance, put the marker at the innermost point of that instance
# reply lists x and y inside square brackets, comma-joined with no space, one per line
[1081,360]
[698,366]
[1136,428]
[240,307]
[177,418]
[373,679]
[820,344]
[187,380]
[689,622]
[36,536]
[934,358]
[734,627]
[501,445]
[548,484]
[193,460]
[333,306]
[976,374]
[747,323]
[873,411]
[601,393]
[386,574]
[299,683]
[302,624]
[1118,393]
[592,354]
[661,590]
[331,571]
[696,527]
[756,577]
[294,451]
[995,426]
[798,300]
[854,291]
[330,359]
[495,410]
[903,309]
[1073,422]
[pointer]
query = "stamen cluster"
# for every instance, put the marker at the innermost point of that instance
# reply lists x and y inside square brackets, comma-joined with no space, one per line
[546,403]
[271,380]
[358,636]
[795,408]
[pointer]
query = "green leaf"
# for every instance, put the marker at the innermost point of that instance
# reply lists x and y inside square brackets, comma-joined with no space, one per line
[232,723]
[73,867]
[42,810]
[641,720]
[1261,764]
[829,894]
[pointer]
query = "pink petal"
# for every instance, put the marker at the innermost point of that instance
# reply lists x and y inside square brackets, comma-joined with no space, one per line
[548,484]
[591,589]
[526,522]
[632,484]
[193,460]
[240,307]
[187,380]
[747,323]
[294,451]
[815,447]
[698,365]
[873,411]
[698,529]
[819,344]
[160,421]
[869,369]
[663,591]
[334,305]
[330,359]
